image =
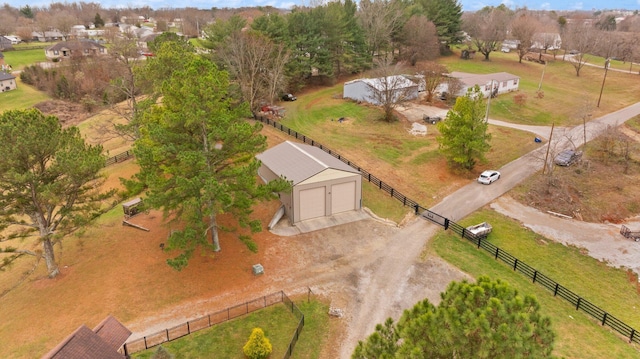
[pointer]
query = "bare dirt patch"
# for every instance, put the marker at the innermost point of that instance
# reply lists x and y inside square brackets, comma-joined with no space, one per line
[69,113]
[599,189]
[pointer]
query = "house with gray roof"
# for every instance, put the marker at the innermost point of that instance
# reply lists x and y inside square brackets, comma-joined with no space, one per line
[501,82]
[80,47]
[374,91]
[7,81]
[322,185]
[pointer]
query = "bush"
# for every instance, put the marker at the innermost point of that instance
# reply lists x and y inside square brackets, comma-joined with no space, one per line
[162,353]
[258,346]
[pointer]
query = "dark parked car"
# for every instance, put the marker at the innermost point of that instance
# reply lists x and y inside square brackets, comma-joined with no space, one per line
[568,157]
[288,97]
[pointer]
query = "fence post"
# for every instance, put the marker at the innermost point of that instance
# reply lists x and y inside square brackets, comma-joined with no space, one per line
[188,328]
[145,343]
[497,251]
[391,191]
[209,319]
[556,290]
[379,184]
[463,230]
[446,222]
[633,332]
[604,318]
[479,241]
[535,274]
[515,264]
[167,333]
[416,208]
[578,304]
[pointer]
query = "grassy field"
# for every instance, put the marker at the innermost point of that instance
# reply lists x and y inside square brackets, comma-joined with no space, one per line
[225,341]
[604,286]
[566,96]
[19,59]
[23,97]
[411,164]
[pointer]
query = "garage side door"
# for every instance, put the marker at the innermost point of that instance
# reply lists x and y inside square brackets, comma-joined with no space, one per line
[343,197]
[312,203]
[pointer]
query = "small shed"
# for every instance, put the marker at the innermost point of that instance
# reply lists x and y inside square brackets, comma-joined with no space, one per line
[131,208]
[398,88]
[322,184]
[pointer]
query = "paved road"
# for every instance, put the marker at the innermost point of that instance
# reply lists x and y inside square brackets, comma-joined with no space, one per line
[473,196]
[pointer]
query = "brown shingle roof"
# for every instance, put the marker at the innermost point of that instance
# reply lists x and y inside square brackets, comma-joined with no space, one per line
[112,332]
[101,343]
[83,344]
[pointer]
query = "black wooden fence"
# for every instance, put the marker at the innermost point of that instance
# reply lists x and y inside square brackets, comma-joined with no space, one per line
[558,290]
[181,330]
[119,157]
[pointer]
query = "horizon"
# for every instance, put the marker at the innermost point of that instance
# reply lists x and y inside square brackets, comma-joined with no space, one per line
[467,5]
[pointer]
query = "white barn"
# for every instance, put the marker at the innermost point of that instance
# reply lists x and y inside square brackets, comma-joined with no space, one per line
[502,82]
[322,184]
[371,90]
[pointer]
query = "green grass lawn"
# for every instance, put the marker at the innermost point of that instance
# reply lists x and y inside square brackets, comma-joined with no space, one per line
[25,96]
[225,341]
[19,59]
[566,96]
[579,336]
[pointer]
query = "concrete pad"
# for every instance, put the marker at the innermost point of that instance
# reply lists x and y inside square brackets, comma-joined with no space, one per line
[284,228]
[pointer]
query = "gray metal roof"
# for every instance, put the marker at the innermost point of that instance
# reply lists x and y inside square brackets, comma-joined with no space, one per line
[482,79]
[6,76]
[297,162]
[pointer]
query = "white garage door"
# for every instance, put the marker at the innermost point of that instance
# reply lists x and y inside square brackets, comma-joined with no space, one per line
[312,203]
[343,197]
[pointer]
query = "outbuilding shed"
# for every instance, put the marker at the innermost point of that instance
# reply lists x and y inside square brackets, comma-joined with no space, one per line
[374,91]
[322,184]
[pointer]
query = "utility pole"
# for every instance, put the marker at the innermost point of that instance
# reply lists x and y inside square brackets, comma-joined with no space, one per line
[606,68]
[546,157]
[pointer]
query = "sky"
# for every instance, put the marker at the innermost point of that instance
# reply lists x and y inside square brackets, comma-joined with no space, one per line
[467,5]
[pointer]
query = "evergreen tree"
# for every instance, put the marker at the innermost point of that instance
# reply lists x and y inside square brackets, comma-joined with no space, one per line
[463,135]
[27,12]
[486,319]
[48,181]
[258,346]
[197,155]
[97,21]
[447,16]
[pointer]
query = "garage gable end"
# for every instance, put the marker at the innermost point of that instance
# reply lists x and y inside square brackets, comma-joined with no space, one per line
[297,162]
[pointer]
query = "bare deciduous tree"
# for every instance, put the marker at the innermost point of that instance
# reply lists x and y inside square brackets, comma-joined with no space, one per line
[523,28]
[582,39]
[390,90]
[379,18]
[256,63]
[419,40]
[434,74]
[487,28]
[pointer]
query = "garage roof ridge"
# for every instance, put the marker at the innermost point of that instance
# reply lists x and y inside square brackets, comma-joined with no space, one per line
[308,154]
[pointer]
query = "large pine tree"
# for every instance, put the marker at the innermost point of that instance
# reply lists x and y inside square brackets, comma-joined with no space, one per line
[486,319]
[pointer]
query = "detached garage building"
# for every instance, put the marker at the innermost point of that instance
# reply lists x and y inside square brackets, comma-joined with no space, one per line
[322,185]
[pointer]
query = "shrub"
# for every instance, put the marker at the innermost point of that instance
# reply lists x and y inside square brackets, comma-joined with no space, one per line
[258,346]
[520,99]
[162,353]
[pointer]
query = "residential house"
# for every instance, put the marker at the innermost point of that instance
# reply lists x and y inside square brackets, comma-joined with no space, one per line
[508,45]
[65,49]
[501,82]
[47,36]
[15,40]
[7,82]
[104,341]
[373,91]
[5,43]
[547,41]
